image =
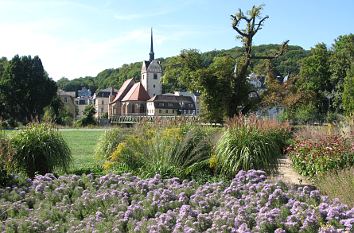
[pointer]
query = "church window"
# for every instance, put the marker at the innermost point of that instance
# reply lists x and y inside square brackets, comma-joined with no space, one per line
[102,102]
[154,85]
[155,76]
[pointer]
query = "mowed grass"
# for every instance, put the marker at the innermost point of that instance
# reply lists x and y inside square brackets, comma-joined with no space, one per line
[82,143]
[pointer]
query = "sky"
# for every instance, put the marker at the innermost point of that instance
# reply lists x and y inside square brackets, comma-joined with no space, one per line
[81,38]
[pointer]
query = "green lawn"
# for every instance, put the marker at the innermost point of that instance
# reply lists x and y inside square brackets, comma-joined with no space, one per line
[82,143]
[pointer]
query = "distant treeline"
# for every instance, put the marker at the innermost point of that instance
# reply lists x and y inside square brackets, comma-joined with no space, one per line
[289,63]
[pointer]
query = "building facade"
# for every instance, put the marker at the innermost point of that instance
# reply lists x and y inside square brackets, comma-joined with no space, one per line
[170,105]
[101,100]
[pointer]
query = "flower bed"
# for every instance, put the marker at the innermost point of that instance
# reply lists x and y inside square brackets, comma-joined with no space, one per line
[126,203]
[317,155]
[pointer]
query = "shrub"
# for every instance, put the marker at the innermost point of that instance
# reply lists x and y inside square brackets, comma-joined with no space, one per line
[40,148]
[88,117]
[6,153]
[170,151]
[108,142]
[320,153]
[343,188]
[250,143]
[181,154]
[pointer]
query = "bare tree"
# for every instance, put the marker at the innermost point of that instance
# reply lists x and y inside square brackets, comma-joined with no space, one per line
[247,26]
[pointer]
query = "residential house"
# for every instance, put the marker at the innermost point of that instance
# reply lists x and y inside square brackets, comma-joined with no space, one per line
[170,105]
[101,100]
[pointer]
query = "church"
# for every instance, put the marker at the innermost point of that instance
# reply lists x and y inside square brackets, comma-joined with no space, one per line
[132,97]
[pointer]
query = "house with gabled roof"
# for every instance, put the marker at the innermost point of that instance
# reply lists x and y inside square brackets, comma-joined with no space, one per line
[115,106]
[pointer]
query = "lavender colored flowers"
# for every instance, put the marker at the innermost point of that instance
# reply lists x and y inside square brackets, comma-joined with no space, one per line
[125,203]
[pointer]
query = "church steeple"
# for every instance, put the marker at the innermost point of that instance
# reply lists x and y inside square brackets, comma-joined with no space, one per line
[151,49]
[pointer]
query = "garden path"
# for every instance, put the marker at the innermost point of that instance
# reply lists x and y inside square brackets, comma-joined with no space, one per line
[287,174]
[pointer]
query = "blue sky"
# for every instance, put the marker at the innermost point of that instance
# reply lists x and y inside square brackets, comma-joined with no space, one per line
[80,38]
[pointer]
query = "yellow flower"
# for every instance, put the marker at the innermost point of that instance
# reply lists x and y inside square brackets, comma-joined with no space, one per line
[212,161]
[117,153]
[107,165]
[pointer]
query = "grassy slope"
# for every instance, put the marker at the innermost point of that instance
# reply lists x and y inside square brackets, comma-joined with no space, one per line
[82,143]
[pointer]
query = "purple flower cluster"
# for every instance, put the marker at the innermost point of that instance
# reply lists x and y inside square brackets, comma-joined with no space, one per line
[126,203]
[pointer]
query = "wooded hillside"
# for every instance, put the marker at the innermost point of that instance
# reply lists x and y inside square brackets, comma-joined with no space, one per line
[288,63]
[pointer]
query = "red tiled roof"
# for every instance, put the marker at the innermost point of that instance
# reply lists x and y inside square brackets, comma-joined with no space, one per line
[124,89]
[137,93]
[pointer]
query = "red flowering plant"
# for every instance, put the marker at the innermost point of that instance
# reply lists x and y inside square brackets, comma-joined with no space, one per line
[318,152]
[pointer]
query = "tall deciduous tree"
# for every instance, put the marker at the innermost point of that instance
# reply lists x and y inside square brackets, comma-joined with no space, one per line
[340,64]
[26,88]
[315,78]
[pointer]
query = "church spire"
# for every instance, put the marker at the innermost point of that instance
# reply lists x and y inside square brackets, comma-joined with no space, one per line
[151,48]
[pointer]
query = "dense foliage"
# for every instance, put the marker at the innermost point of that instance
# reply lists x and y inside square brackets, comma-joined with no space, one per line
[126,203]
[323,88]
[6,154]
[25,89]
[196,152]
[182,151]
[316,153]
[250,143]
[40,148]
[88,117]
[57,113]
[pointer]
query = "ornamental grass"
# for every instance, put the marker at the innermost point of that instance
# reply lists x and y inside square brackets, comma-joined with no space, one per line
[250,143]
[40,148]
